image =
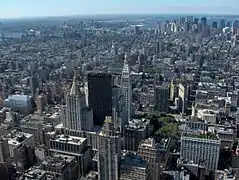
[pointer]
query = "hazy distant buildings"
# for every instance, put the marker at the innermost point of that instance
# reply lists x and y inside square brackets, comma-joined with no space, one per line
[100,96]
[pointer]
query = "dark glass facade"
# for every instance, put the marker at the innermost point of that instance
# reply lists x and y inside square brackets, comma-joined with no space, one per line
[100,96]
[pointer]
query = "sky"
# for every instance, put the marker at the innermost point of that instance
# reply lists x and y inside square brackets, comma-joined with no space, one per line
[35,8]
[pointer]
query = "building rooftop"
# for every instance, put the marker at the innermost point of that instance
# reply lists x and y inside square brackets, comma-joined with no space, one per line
[201,135]
[137,124]
[57,161]
[151,143]
[18,97]
[34,174]
[75,90]
[17,137]
[133,160]
[33,118]
[225,131]
[69,139]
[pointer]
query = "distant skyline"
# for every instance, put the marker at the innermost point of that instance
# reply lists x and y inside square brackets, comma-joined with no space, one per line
[41,8]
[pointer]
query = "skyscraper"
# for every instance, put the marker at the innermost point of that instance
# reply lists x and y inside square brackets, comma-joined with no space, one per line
[100,96]
[33,85]
[222,24]
[161,97]
[126,92]
[109,151]
[204,21]
[150,151]
[74,114]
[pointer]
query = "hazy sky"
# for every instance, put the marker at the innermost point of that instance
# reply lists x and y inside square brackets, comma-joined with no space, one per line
[28,8]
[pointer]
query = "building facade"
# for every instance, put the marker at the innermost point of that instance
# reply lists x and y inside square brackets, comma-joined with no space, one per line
[126,93]
[149,151]
[133,167]
[200,149]
[100,96]
[72,146]
[109,152]
[161,98]
[75,117]
[135,131]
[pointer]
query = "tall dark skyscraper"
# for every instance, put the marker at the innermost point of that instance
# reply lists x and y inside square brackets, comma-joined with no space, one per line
[214,24]
[100,96]
[161,96]
[196,20]
[222,24]
[33,84]
[204,21]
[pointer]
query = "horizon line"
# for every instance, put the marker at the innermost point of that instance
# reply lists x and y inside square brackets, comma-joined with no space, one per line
[116,14]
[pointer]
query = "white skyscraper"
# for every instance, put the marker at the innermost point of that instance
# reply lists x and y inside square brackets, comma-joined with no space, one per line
[75,115]
[126,93]
[109,151]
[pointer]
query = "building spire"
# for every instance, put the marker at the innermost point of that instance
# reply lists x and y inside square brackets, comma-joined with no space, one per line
[126,59]
[126,65]
[74,88]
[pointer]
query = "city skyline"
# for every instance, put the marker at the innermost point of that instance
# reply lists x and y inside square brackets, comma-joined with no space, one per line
[27,8]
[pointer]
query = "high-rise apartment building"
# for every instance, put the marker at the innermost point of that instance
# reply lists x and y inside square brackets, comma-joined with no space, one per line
[41,101]
[149,151]
[200,148]
[109,151]
[126,92]
[100,96]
